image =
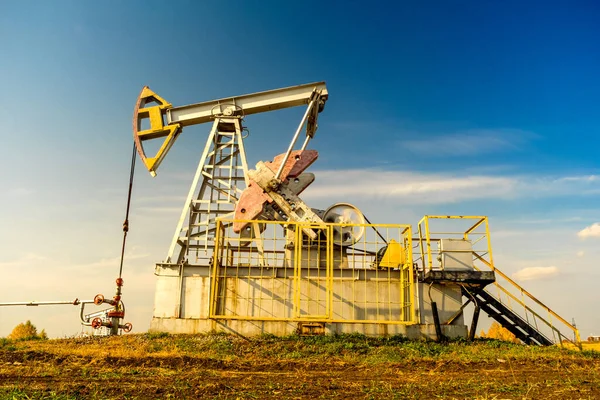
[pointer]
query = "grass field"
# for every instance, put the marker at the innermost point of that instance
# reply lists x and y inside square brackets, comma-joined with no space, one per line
[221,366]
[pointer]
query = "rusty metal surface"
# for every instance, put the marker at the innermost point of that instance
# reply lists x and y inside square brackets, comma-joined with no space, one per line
[253,199]
[250,205]
[296,163]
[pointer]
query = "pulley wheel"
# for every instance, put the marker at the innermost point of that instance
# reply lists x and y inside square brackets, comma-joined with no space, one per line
[349,223]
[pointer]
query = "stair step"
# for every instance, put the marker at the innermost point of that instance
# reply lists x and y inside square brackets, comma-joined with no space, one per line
[507,318]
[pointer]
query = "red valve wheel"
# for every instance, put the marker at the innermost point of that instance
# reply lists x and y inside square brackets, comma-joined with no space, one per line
[119,281]
[99,299]
[127,327]
[96,323]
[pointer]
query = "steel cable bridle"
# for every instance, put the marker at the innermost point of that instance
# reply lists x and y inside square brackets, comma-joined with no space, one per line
[126,222]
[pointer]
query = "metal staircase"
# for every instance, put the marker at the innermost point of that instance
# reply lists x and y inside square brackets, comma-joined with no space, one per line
[510,320]
[484,285]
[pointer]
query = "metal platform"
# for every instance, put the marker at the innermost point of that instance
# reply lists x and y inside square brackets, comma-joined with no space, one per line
[462,259]
[476,278]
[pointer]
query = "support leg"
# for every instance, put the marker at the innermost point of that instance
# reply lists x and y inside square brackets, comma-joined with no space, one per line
[436,321]
[473,329]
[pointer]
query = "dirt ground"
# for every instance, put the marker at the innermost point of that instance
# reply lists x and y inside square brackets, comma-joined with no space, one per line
[30,373]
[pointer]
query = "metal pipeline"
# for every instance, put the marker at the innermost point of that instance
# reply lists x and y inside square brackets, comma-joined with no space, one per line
[45,303]
[83,321]
[118,312]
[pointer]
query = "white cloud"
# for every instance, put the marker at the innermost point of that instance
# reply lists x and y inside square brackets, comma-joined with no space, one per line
[413,187]
[469,142]
[440,188]
[158,209]
[580,253]
[585,178]
[590,231]
[114,261]
[544,221]
[535,273]
[23,261]
[160,198]
[19,192]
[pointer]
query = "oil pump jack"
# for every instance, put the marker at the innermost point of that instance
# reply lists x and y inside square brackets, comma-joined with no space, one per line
[250,256]
[330,271]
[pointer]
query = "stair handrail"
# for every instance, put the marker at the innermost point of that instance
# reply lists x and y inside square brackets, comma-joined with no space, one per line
[525,306]
[533,298]
[534,314]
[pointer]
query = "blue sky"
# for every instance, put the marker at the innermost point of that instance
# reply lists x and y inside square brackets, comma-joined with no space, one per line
[435,107]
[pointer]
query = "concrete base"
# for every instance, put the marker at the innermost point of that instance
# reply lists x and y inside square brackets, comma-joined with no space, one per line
[254,328]
[182,302]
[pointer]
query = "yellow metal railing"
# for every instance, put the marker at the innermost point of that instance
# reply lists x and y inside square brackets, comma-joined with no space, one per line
[274,272]
[505,290]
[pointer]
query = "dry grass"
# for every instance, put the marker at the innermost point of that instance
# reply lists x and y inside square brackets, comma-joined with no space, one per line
[350,366]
